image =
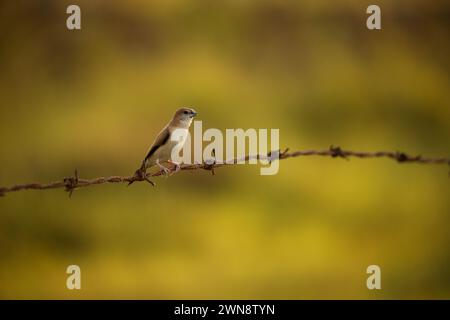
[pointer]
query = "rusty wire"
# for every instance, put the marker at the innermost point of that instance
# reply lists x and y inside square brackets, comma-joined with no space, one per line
[74,182]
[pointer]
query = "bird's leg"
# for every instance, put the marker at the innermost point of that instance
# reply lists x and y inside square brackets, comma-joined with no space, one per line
[177,166]
[164,169]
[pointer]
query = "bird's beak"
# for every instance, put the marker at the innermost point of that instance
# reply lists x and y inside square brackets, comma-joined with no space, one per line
[193,114]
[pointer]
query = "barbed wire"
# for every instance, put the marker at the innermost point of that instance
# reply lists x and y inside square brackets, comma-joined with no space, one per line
[74,182]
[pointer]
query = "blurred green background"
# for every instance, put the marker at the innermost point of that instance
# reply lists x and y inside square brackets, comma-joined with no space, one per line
[94,99]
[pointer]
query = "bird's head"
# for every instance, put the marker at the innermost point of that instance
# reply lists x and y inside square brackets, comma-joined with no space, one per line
[184,116]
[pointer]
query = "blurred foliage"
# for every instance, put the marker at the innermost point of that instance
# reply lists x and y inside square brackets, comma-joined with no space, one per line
[94,99]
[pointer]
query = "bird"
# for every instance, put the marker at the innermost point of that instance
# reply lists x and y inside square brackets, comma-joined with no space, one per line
[161,148]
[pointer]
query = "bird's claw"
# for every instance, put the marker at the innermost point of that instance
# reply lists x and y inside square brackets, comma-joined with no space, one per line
[176,168]
[165,171]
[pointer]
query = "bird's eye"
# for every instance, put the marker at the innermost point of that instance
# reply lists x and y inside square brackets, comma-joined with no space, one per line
[185,112]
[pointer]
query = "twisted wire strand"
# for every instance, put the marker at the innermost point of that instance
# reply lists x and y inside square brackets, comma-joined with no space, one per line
[74,182]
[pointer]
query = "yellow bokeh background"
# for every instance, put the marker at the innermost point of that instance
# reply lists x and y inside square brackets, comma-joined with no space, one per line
[94,99]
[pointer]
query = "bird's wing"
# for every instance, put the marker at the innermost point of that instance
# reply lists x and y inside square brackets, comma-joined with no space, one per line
[160,140]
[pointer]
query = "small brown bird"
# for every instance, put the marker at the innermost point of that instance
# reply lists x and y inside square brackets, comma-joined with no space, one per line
[161,149]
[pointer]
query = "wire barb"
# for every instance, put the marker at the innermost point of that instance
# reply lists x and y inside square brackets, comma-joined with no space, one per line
[140,175]
[71,183]
[337,152]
